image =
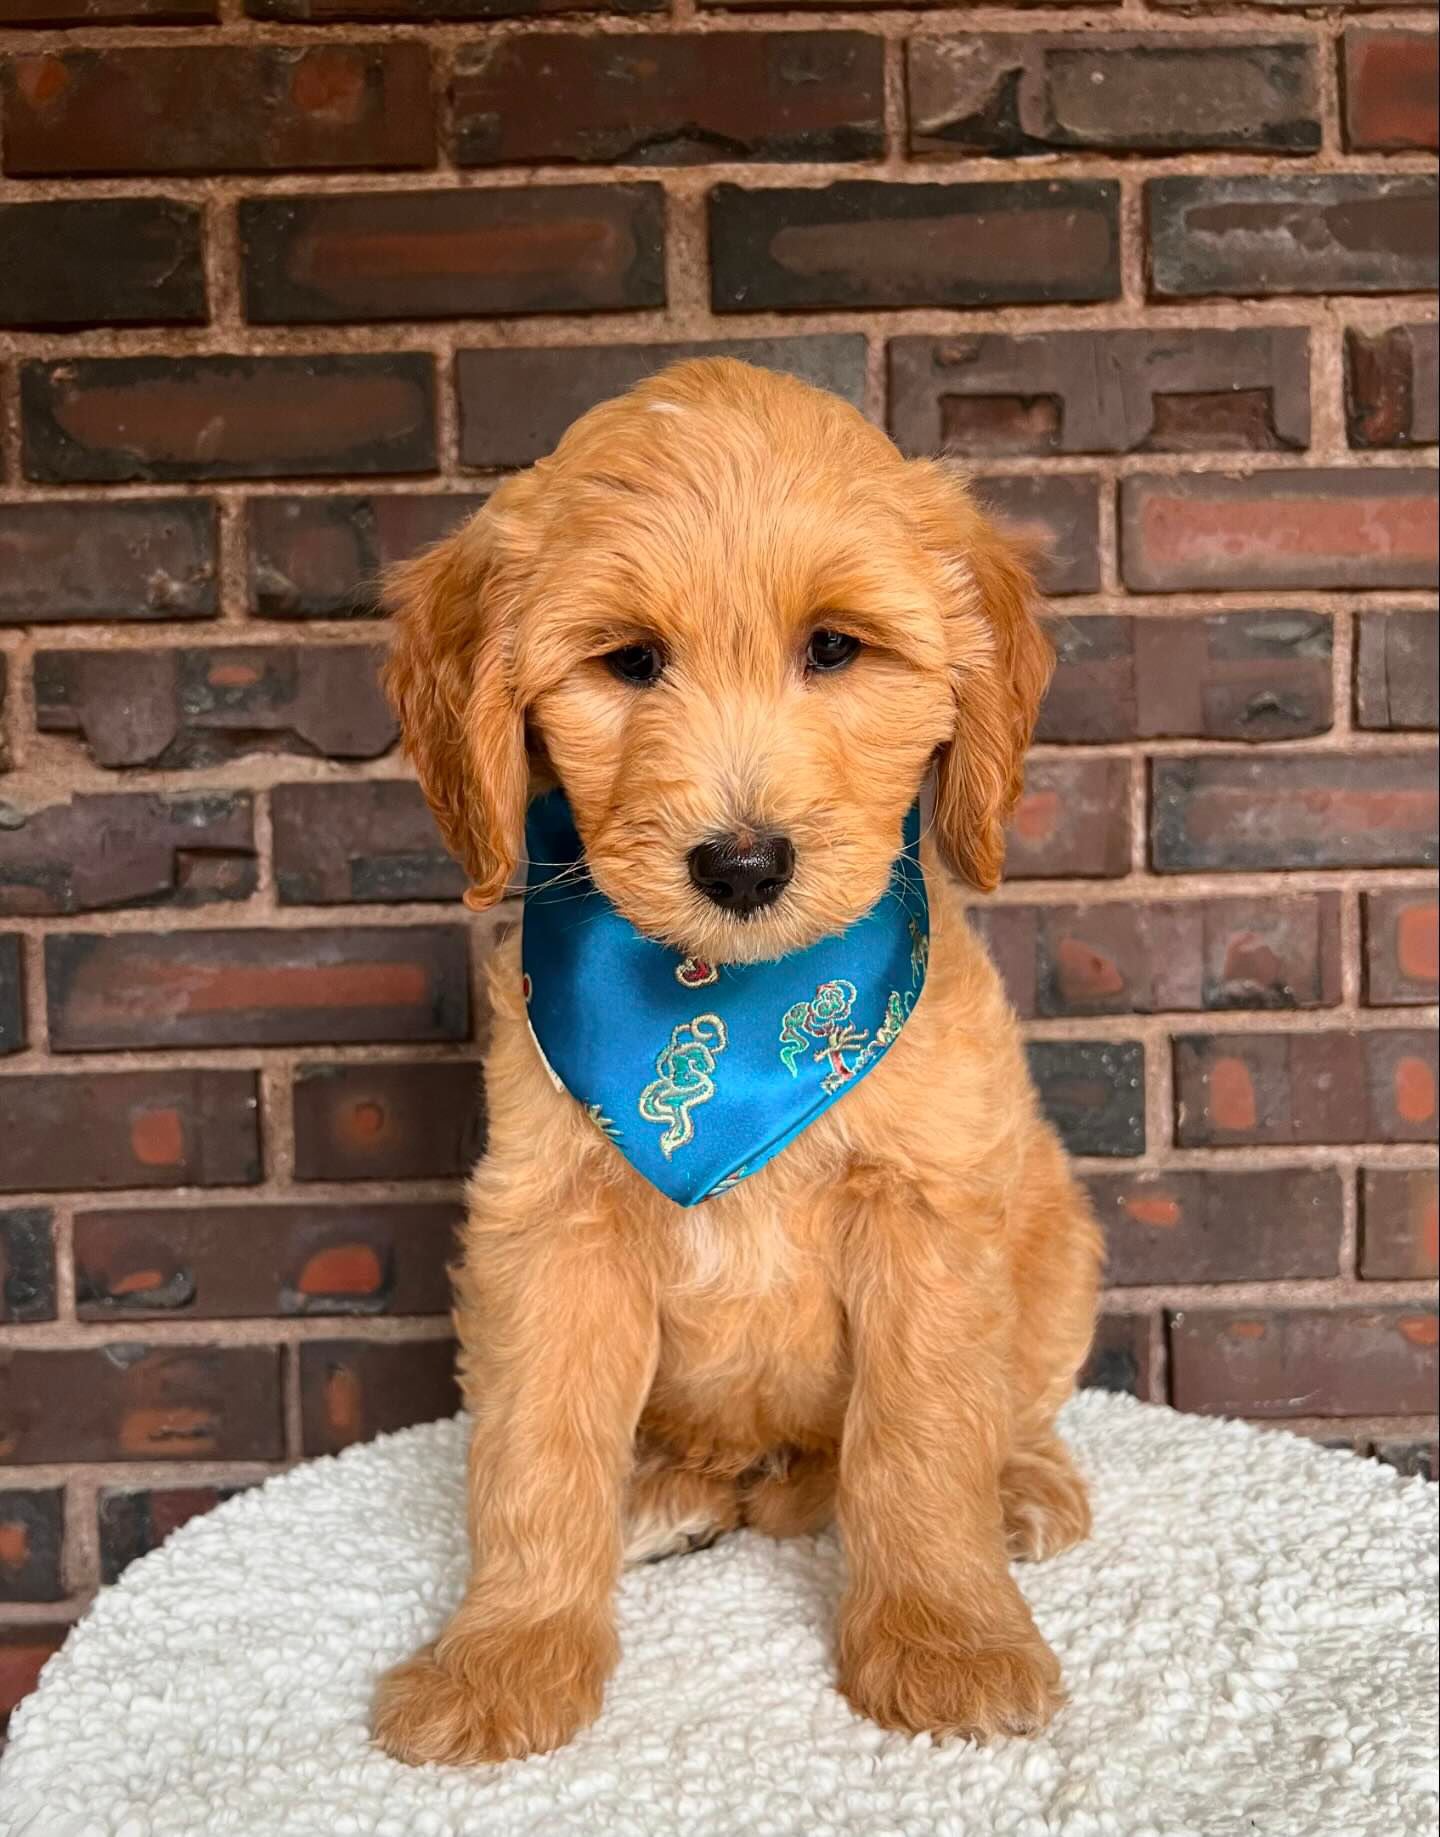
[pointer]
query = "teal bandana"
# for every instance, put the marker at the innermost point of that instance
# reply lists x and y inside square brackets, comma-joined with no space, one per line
[699,1073]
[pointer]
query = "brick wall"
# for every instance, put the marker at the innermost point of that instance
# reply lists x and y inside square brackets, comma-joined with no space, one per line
[283,286]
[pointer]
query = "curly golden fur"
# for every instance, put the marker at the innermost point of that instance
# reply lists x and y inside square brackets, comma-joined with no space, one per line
[880,1325]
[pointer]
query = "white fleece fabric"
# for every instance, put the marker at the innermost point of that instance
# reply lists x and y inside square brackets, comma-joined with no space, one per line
[1248,1640]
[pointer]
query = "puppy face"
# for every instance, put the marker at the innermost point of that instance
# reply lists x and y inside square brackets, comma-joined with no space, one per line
[737,628]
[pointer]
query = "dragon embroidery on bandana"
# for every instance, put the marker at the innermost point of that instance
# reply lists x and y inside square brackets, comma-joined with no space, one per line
[683,1079]
[826,1018]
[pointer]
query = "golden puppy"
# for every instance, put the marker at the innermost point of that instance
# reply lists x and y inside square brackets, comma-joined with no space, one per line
[726,606]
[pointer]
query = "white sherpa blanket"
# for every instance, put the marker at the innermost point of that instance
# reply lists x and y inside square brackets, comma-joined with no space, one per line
[1249,1643]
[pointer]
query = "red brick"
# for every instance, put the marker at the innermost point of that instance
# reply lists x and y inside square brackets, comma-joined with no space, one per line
[101,261]
[454,254]
[1148,92]
[1390,386]
[1101,392]
[32,1537]
[866,244]
[1093,1091]
[12,994]
[23,1652]
[141,1403]
[1303,1361]
[97,853]
[1270,1225]
[218,108]
[1120,1356]
[106,419]
[1291,1088]
[413,12]
[1400,946]
[1391,79]
[1058,515]
[27,1265]
[1337,528]
[1399,1224]
[516,402]
[387,1122]
[1073,821]
[256,988]
[1334,233]
[129,1129]
[1293,810]
[108,12]
[232,1262]
[132,560]
[672,99]
[172,709]
[365,843]
[352,1390]
[132,1523]
[1397,670]
[324,557]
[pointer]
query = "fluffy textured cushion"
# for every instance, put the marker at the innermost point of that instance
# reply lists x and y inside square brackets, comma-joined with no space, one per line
[1249,1642]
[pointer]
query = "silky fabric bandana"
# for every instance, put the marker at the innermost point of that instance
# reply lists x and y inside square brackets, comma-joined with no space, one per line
[700,1073]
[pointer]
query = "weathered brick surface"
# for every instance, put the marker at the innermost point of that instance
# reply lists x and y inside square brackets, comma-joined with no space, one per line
[351,1390]
[1390,386]
[32,1531]
[256,988]
[27,1265]
[12,994]
[102,419]
[131,1523]
[516,403]
[1073,819]
[1058,516]
[97,853]
[1292,1088]
[1278,1224]
[676,99]
[1120,1358]
[190,708]
[387,1122]
[113,261]
[453,254]
[1397,664]
[132,560]
[107,12]
[1400,946]
[1391,82]
[1341,1362]
[24,1649]
[224,1262]
[860,243]
[351,844]
[1294,810]
[1101,392]
[1398,1224]
[1094,1093]
[1135,92]
[325,557]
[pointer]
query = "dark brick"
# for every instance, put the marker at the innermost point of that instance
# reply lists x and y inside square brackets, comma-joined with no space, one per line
[97,853]
[1043,92]
[1073,821]
[1093,1091]
[1399,1224]
[1058,514]
[108,12]
[24,1650]
[862,243]
[230,1262]
[323,558]
[1400,946]
[1101,392]
[454,254]
[256,988]
[436,12]
[672,99]
[1272,1225]
[1396,670]
[12,992]
[1333,233]
[387,1122]
[515,403]
[1303,1361]
[110,261]
[131,560]
[141,1403]
[123,1129]
[184,708]
[1291,1088]
[1391,79]
[1412,1459]
[27,1266]
[132,1523]
[218,108]
[1228,676]
[1294,810]
[365,843]
[352,1390]
[1120,1356]
[32,1538]
[109,419]
[1351,527]
[1390,386]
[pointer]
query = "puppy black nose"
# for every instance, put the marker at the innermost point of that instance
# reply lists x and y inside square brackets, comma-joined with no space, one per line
[743,875]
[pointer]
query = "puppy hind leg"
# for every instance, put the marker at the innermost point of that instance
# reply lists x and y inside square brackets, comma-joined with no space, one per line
[670,1510]
[1045,1502]
[791,1498]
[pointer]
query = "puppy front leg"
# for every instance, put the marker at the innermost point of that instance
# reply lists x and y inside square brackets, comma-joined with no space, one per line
[934,1635]
[559,1340]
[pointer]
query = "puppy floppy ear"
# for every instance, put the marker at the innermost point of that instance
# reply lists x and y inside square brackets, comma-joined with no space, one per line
[449,677]
[1001,663]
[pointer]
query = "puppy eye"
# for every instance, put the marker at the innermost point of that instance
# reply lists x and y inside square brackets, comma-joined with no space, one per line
[637,663]
[830,650]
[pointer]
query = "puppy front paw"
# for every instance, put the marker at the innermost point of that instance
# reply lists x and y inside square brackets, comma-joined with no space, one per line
[915,1667]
